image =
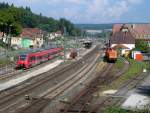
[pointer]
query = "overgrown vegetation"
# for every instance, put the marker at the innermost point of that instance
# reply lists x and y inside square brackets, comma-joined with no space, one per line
[142,46]
[116,110]
[4,62]
[13,19]
[119,110]
[119,64]
[2,44]
[135,68]
[147,65]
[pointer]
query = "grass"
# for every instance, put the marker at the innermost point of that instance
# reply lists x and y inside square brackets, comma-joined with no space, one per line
[119,64]
[134,69]
[115,110]
[147,65]
[4,62]
[119,110]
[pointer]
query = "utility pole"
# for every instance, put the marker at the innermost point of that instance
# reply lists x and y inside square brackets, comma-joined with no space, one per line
[64,43]
[8,38]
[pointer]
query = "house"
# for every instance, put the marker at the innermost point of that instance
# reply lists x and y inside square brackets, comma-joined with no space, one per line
[29,38]
[54,35]
[122,40]
[16,42]
[139,31]
[32,37]
[116,28]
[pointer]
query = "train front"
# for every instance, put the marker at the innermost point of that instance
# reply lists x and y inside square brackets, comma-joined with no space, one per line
[22,61]
[112,55]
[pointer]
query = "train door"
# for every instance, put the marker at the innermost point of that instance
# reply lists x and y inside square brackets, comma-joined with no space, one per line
[32,60]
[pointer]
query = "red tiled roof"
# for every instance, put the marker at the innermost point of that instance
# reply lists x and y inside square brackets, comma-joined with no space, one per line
[116,28]
[31,32]
[142,28]
[122,38]
[136,29]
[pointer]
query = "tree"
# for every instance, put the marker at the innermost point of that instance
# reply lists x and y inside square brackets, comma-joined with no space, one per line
[70,28]
[142,45]
[24,17]
[8,23]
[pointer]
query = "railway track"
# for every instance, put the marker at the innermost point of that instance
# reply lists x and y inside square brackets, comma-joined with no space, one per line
[7,71]
[81,104]
[58,89]
[120,96]
[10,71]
[19,91]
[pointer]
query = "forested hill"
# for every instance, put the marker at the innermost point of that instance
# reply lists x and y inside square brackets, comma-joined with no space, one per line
[95,26]
[19,17]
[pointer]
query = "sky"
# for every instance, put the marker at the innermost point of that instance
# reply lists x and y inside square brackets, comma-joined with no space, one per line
[90,11]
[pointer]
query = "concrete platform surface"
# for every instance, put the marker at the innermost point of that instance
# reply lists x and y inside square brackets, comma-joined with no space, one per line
[15,81]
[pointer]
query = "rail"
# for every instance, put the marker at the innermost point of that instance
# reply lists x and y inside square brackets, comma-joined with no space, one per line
[82,101]
[22,90]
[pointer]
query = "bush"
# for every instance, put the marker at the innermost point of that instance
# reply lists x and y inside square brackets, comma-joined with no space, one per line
[116,110]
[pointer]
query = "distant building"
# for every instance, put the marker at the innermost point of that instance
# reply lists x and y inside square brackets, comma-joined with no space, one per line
[54,35]
[32,37]
[94,31]
[16,42]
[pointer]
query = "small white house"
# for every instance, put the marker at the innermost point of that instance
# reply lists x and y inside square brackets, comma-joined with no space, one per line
[124,47]
[55,35]
[16,41]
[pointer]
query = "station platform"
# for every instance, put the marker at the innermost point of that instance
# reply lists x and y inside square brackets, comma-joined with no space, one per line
[139,99]
[12,82]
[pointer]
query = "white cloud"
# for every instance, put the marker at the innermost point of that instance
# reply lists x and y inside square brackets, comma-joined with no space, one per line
[135,1]
[95,11]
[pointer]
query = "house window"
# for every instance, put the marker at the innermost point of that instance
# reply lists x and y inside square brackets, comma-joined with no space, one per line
[147,36]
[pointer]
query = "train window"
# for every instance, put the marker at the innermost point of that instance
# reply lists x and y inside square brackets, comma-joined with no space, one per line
[23,57]
[46,56]
[32,58]
[39,57]
[53,52]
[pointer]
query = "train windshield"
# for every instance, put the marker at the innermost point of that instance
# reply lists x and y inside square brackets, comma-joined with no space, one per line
[23,57]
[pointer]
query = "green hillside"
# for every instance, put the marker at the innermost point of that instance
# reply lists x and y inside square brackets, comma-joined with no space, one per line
[16,18]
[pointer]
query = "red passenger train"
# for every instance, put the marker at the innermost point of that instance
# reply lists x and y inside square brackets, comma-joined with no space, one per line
[29,59]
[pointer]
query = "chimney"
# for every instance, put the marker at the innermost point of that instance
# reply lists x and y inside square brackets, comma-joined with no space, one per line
[133,26]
